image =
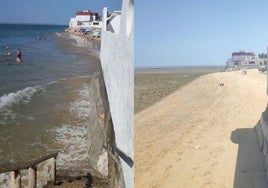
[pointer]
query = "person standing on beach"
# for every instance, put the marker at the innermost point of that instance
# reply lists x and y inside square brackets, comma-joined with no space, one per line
[19,56]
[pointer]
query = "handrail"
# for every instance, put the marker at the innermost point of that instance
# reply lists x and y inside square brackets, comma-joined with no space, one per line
[8,167]
[15,167]
[124,156]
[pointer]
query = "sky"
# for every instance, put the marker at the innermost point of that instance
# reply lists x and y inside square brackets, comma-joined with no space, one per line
[192,32]
[51,11]
[167,33]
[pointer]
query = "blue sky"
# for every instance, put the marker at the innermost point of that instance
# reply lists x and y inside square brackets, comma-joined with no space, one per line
[191,32]
[167,33]
[50,11]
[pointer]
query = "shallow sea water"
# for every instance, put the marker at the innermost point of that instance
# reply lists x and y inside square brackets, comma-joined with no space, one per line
[44,101]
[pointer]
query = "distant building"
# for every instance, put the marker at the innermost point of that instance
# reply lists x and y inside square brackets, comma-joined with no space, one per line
[85,19]
[243,58]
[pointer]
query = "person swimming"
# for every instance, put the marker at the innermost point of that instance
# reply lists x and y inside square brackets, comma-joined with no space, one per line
[7,53]
[19,56]
[3,59]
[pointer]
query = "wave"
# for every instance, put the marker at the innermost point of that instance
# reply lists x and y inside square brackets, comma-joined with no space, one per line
[72,136]
[72,140]
[80,107]
[20,97]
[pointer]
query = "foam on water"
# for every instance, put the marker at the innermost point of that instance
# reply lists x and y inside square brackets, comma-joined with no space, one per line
[73,137]
[80,107]
[19,97]
[74,142]
[54,64]
[70,138]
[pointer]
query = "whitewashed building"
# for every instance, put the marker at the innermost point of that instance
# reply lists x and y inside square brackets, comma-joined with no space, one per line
[85,19]
[243,58]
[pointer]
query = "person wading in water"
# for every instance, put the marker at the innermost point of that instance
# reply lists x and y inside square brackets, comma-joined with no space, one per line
[19,56]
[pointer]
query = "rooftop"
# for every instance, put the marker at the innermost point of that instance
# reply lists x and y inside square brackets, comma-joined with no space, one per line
[85,13]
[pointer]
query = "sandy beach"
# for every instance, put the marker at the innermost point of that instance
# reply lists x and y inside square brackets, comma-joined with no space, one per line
[190,138]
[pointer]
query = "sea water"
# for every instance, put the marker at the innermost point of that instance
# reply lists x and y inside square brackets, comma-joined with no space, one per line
[44,100]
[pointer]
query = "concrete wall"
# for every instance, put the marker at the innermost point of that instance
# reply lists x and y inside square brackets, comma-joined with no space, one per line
[262,133]
[101,136]
[117,61]
[83,17]
[98,157]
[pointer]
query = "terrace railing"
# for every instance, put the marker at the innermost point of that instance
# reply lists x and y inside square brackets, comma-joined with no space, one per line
[31,166]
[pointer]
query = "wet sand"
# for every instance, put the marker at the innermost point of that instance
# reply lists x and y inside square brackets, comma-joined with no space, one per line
[192,137]
[152,85]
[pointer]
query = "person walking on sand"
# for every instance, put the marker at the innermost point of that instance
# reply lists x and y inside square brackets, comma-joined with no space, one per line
[19,56]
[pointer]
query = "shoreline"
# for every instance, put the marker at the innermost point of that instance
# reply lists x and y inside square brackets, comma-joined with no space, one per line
[63,98]
[88,37]
[152,85]
[177,68]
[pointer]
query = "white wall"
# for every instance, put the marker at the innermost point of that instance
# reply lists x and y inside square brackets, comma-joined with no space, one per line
[83,17]
[239,57]
[117,61]
[73,22]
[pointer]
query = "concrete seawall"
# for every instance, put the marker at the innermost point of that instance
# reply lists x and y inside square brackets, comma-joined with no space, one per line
[262,133]
[103,160]
[117,62]
[101,136]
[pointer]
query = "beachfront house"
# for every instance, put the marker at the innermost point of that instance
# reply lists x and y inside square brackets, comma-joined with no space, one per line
[243,58]
[85,19]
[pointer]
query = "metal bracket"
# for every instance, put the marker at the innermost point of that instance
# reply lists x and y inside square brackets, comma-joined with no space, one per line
[123,156]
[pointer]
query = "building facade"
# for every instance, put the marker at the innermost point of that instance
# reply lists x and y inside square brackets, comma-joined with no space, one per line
[243,58]
[85,19]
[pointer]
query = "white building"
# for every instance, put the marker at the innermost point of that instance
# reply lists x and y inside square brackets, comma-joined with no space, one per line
[242,58]
[257,61]
[85,19]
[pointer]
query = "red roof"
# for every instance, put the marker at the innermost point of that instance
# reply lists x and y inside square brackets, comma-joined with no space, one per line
[86,13]
[242,53]
[83,13]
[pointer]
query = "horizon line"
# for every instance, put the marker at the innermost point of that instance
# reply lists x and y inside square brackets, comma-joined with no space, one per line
[28,23]
[177,66]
